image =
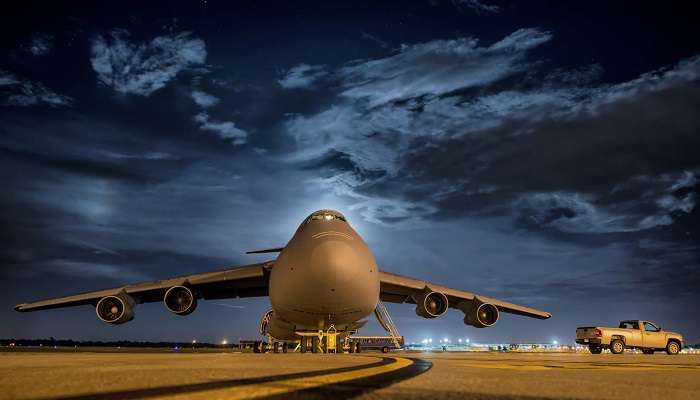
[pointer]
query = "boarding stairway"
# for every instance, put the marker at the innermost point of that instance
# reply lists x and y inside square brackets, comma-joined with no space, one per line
[387,323]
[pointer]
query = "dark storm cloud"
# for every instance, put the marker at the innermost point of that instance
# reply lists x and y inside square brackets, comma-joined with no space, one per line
[142,68]
[22,92]
[556,150]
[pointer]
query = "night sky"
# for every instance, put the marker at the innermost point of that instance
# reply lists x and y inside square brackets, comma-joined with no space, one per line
[545,153]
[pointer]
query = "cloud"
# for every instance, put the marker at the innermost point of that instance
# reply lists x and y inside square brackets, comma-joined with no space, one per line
[7,79]
[452,127]
[225,130]
[24,93]
[151,155]
[204,99]
[381,43]
[583,213]
[303,76]
[235,306]
[438,67]
[40,45]
[142,68]
[478,7]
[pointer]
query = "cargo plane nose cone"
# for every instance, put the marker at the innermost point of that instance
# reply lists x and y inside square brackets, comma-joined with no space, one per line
[334,261]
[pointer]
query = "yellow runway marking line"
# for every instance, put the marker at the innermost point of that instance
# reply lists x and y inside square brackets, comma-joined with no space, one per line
[579,366]
[292,385]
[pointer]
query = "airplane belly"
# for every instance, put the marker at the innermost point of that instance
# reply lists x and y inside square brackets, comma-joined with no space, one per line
[333,282]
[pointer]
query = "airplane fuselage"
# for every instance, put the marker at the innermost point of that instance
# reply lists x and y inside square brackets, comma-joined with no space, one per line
[326,275]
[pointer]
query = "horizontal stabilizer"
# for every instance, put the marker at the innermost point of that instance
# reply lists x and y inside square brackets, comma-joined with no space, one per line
[275,250]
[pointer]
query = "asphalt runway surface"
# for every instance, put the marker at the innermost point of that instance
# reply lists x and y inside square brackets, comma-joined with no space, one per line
[127,374]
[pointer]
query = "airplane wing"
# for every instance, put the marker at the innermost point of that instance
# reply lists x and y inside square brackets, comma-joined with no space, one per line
[396,288]
[244,281]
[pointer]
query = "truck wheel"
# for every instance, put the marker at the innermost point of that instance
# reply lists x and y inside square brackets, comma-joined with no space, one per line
[595,349]
[617,346]
[673,348]
[648,351]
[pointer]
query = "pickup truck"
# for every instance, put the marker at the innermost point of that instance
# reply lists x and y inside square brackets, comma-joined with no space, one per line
[644,335]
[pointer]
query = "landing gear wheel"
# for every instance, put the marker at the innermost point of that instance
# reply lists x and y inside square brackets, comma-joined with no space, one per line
[595,349]
[647,351]
[304,345]
[673,348]
[314,344]
[352,348]
[357,347]
[385,349]
[617,346]
[284,347]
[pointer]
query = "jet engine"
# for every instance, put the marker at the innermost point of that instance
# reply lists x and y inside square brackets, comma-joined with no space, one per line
[116,309]
[430,304]
[479,314]
[180,300]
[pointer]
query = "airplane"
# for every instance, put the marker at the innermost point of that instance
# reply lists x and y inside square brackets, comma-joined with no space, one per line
[325,275]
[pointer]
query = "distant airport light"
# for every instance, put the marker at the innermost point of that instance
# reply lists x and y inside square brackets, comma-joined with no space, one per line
[194,342]
[430,340]
[446,340]
[224,342]
[459,340]
[554,342]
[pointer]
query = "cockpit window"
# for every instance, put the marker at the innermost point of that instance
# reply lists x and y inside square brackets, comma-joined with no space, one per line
[324,217]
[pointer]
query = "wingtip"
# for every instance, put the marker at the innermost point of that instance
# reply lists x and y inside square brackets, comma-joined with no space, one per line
[19,307]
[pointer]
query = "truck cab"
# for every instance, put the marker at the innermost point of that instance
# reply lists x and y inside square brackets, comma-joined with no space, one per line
[644,335]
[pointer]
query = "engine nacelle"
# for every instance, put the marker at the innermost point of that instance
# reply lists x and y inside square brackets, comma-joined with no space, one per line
[180,300]
[116,309]
[479,314]
[430,304]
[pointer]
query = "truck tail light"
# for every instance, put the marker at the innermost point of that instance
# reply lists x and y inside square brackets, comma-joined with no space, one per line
[598,333]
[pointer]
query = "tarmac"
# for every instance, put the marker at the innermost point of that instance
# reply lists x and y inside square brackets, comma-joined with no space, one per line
[128,374]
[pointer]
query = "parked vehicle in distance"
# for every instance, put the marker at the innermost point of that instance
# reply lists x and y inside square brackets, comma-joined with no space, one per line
[635,334]
[383,343]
